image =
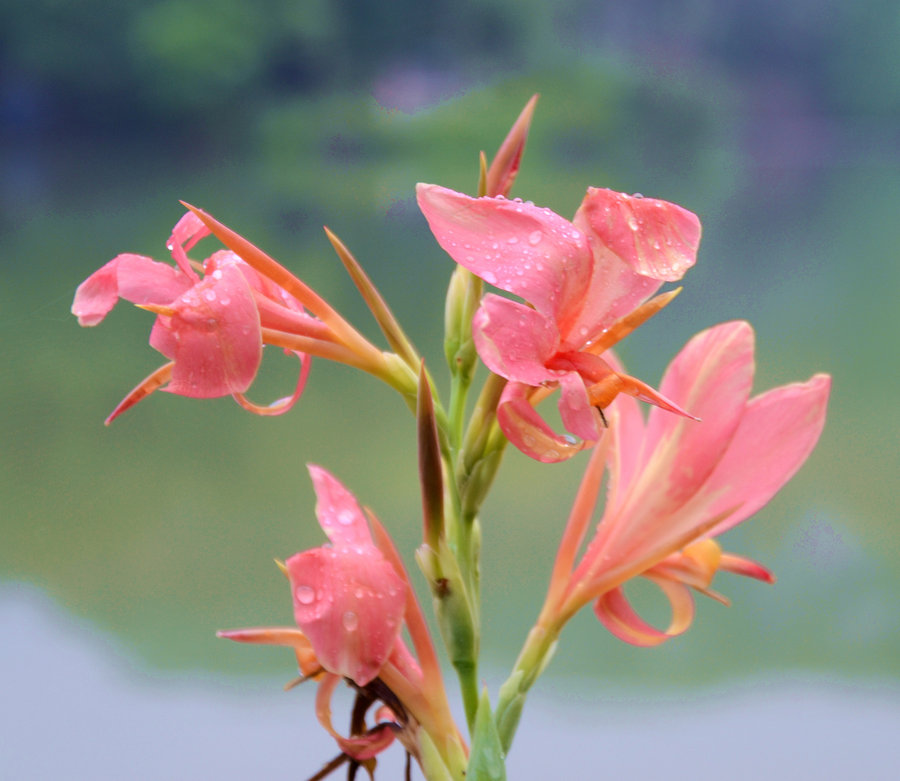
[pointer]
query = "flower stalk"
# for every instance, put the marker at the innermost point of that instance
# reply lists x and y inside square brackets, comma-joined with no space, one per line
[705,458]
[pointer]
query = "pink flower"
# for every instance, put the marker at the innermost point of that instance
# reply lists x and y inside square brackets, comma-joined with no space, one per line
[352,599]
[582,281]
[675,484]
[209,326]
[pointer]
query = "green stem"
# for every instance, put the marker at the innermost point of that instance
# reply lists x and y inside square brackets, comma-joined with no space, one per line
[533,660]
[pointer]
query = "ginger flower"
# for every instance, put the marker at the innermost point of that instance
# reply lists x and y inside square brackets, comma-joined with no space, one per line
[214,316]
[352,599]
[676,484]
[584,284]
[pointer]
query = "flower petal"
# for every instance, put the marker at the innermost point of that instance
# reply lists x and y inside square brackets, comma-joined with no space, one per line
[514,340]
[575,410]
[711,377]
[349,602]
[339,514]
[214,337]
[518,247]
[776,435]
[657,239]
[135,278]
[617,615]
[527,431]
[360,747]
[288,636]
[280,406]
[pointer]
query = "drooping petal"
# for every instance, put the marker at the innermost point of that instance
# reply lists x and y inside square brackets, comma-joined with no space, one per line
[135,278]
[655,238]
[349,602]
[514,340]
[214,337]
[360,747]
[776,434]
[517,247]
[575,410]
[528,432]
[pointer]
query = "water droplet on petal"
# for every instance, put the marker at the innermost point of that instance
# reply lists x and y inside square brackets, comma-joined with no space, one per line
[535,238]
[209,295]
[512,240]
[217,274]
[490,277]
[305,595]
[346,517]
[350,621]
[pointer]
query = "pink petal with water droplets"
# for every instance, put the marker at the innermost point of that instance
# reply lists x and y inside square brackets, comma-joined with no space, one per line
[188,231]
[349,602]
[214,337]
[514,340]
[656,238]
[339,514]
[518,247]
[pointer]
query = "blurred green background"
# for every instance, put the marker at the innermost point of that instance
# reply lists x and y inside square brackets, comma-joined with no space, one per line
[776,122]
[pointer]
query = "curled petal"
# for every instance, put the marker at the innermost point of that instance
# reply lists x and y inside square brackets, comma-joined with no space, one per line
[514,340]
[518,247]
[360,747]
[527,430]
[187,232]
[282,405]
[617,615]
[657,239]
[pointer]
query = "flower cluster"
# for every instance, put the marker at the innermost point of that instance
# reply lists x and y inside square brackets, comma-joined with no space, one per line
[705,458]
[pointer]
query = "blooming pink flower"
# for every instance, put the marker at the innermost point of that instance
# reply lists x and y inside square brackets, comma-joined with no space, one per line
[579,279]
[351,600]
[209,326]
[675,484]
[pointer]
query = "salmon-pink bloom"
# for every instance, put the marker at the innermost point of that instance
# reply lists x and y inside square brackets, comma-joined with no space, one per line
[675,484]
[580,280]
[210,317]
[352,599]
